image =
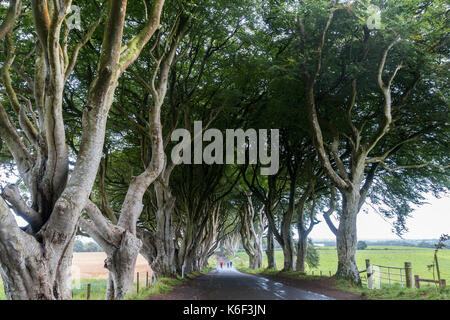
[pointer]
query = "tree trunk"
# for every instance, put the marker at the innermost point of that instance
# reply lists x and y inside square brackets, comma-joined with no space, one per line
[121,264]
[301,252]
[36,264]
[27,273]
[251,230]
[270,251]
[347,238]
[231,244]
[288,249]
[164,262]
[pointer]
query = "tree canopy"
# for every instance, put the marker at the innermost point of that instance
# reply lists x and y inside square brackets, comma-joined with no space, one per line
[87,116]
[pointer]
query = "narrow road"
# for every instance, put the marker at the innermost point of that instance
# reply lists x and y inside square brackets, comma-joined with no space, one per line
[230,284]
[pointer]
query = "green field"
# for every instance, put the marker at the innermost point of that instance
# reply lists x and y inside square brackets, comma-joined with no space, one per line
[392,256]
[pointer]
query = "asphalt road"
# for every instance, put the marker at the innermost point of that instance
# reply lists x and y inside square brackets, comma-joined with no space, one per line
[230,284]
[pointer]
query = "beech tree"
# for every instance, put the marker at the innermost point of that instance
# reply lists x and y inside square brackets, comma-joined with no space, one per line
[230,243]
[251,230]
[35,263]
[368,123]
[87,114]
[120,241]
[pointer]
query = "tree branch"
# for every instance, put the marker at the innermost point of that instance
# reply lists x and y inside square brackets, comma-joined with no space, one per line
[327,214]
[386,90]
[80,45]
[133,48]
[14,9]
[12,195]
[105,228]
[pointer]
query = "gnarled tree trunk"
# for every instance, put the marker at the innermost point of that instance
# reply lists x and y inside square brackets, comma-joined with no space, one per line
[36,264]
[347,238]
[302,251]
[251,230]
[270,250]
[121,260]
[164,260]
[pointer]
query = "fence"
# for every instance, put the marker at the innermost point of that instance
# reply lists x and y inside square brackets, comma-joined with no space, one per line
[381,276]
[378,276]
[375,276]
[417,280]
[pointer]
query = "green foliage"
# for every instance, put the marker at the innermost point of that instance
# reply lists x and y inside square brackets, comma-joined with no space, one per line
[80,246]
[2,290]
[361,245]
[242,64]
[312,256]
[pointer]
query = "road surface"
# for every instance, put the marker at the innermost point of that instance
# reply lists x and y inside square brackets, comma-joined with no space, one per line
[230,284]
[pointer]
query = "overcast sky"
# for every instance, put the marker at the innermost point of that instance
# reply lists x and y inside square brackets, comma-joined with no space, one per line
[427,222]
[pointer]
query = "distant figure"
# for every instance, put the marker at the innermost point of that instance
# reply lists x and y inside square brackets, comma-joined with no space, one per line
[221,263]
[231,264]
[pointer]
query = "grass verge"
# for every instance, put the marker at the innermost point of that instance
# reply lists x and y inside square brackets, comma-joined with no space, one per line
[165,285]
[396,292]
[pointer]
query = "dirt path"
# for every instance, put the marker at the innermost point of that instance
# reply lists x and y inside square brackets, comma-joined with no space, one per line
[230,284]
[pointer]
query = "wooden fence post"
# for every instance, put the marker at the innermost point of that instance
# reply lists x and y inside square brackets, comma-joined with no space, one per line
[389,276]
[330,273]
[146,280]
[442,283]
[137,283]
[88,294]
[416,281]
[369,275]
[408,273]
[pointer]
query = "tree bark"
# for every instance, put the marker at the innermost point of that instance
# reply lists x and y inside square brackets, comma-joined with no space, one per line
[270,251]
[301,252]
[164,261]
[36,264]
[347,238]
[251,230]
[24,267]
[121,264]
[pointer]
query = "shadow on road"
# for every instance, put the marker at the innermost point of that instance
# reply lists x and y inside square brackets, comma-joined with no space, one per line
[229,284]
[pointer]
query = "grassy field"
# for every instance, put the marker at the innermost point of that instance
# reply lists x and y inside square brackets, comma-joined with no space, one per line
[392,256]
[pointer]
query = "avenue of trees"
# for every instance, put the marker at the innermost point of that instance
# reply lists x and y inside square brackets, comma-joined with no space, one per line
[87,115]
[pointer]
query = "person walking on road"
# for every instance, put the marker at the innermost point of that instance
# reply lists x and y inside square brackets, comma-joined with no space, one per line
[221,263]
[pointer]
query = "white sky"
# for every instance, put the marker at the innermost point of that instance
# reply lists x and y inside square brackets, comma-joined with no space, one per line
[427,222]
